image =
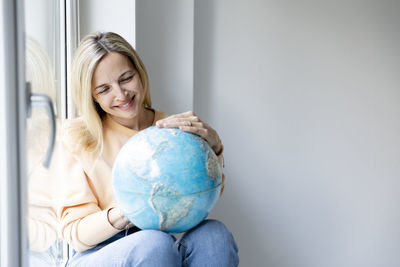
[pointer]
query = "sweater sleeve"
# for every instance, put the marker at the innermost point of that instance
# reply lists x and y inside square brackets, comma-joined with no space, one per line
[82,223]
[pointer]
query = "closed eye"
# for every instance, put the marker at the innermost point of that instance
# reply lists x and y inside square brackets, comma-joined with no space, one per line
[103,90]
[127,79]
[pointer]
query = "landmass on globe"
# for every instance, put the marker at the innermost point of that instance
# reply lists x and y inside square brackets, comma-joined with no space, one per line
[166,179]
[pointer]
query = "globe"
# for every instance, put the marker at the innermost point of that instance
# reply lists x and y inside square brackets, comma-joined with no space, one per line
[166,179]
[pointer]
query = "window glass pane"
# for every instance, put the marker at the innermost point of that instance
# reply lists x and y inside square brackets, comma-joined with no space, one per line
[43,74]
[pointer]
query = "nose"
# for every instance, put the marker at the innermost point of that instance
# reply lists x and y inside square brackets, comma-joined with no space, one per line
[120,93]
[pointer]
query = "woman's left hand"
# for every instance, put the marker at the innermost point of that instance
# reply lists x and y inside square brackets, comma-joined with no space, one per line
[189,122]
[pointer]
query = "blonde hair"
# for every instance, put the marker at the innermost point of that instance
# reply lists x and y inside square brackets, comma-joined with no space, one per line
[87,130]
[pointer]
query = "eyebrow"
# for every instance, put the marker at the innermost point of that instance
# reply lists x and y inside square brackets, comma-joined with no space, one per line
[104,84]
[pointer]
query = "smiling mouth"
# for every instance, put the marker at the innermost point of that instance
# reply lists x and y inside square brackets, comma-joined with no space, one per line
[127,105]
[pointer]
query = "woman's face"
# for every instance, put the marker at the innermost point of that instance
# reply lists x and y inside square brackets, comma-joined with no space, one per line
[117,88]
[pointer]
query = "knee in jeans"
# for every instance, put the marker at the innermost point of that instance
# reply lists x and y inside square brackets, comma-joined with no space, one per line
[214,228]
[156,243]
[210,239]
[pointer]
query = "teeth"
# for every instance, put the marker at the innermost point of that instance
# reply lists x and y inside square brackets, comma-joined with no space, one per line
[126,104]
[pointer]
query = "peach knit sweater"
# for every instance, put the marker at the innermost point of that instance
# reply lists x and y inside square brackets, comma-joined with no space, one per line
[86,190]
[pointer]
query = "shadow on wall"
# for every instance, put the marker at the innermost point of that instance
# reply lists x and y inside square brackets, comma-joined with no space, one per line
[240,219]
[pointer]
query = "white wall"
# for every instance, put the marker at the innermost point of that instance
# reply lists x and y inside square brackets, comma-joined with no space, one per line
[305,95]
[101,15]
[164,33]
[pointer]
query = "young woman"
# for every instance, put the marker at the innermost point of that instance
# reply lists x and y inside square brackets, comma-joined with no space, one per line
[111,90]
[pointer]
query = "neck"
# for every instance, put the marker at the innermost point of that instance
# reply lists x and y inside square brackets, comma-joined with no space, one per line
[143,120]
[146,119]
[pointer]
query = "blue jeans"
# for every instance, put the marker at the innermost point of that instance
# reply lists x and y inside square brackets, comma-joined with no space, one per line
[208,244]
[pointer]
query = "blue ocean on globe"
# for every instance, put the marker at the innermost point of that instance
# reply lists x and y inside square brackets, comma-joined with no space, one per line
[166,179]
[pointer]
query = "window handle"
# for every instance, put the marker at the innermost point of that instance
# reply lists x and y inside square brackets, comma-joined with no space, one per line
[44,101]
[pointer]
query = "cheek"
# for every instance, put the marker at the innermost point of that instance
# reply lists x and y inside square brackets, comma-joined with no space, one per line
[103,101]
[137,85]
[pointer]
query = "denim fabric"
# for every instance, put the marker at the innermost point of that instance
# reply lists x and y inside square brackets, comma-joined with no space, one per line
[208,244]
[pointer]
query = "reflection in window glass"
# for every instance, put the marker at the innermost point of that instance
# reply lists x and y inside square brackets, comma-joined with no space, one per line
[42,73]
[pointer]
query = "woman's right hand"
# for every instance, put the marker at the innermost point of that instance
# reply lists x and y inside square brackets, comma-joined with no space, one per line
[117,219]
